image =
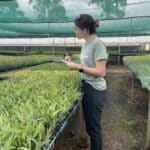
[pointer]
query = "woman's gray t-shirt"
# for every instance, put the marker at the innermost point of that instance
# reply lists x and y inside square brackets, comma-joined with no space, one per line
[90,53]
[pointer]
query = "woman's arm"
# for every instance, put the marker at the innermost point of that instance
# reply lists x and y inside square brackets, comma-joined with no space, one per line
[99,70]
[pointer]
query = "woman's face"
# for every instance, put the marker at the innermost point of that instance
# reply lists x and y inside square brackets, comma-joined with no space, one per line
[79,32]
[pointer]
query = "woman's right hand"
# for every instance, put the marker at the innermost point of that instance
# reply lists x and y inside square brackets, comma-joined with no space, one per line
[68,58]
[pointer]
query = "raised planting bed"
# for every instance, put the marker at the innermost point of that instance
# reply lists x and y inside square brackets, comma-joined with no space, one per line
[15,62]
[140,66]
[33,103]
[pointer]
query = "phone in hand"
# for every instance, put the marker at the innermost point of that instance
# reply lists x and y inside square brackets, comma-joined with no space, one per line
[64,61]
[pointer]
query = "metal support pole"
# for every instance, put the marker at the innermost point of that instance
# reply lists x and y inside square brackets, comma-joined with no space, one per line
[66,53]
[53,47]
[119,55]
[132,86]
[147,147]
[24,49]
[126,77]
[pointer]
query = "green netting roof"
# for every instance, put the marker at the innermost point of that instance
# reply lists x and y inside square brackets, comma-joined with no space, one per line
[40,18]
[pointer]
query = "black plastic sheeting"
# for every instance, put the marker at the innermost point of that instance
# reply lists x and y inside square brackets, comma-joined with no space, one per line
[63,125]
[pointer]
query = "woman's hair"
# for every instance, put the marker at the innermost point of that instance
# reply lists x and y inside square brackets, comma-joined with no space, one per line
[85,21]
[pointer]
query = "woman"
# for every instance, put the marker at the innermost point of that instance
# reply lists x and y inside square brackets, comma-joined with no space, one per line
[93,60]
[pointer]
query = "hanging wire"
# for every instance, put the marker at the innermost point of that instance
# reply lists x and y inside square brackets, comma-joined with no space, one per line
[142,2]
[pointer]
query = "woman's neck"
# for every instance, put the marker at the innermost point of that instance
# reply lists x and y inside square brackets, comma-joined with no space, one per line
[89,38]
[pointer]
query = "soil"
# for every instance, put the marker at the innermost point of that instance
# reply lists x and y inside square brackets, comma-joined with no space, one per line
[124,116]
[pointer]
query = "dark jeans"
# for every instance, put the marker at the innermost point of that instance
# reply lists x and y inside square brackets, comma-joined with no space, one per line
[92,102]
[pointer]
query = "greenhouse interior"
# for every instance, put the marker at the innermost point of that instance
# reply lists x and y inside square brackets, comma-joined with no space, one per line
[41,101]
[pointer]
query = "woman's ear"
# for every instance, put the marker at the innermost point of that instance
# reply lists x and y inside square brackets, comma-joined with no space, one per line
[84,31]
